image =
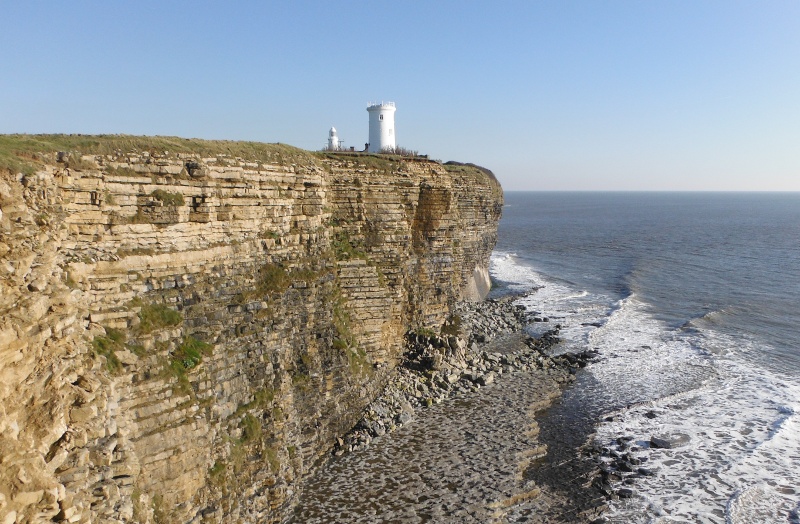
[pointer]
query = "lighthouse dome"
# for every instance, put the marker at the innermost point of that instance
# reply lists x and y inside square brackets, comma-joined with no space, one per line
[332,131]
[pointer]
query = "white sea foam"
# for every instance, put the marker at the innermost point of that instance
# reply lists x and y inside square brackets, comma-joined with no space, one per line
[740,464]
[506,268]
[641,360]
[577,311]
[742,459]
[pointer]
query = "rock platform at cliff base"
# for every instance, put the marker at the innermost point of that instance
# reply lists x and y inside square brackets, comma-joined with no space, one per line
[454,432]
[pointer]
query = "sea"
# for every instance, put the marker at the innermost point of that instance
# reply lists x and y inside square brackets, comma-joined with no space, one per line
[693,302]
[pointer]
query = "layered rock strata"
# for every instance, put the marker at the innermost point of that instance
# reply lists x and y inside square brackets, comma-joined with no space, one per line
[184,334]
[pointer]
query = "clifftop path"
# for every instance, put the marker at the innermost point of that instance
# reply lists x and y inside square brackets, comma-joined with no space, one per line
[187,326]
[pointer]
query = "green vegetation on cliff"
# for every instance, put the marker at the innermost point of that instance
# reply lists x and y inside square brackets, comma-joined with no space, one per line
[157,316]
[168,199]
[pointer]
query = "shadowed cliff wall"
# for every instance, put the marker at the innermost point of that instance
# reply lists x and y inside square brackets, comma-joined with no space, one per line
[184,333]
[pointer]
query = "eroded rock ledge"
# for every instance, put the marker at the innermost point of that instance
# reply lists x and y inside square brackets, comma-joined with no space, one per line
[465,357]
[186,327]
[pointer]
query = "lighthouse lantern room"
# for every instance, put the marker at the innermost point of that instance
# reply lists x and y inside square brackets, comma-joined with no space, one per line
[334,144]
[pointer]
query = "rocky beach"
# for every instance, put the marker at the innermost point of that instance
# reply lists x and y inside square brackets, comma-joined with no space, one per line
[455,435]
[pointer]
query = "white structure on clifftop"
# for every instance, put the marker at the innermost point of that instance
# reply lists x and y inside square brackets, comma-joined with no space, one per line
[333,141]
[381,127]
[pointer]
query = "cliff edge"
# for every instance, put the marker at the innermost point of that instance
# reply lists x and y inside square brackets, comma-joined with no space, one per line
[187,326]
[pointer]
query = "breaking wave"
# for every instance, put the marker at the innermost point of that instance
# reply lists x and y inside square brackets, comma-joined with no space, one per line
[742,421]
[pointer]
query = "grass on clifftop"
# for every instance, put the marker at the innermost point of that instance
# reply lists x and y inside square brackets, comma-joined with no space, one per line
[19,153]
[458,167]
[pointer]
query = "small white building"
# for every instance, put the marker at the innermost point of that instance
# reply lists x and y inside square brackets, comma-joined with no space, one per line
[381,127]
[334,144]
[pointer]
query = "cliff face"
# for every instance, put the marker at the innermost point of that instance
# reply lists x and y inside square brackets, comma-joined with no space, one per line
[184,334]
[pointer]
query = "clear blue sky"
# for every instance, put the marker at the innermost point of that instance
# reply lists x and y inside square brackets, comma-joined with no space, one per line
[562,95]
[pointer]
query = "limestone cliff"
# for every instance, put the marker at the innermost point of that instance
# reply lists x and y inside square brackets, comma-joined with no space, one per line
[186,327]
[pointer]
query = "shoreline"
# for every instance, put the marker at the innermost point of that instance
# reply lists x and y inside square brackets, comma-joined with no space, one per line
[484,353]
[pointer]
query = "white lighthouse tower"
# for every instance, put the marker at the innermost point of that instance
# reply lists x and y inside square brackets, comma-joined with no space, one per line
[333,141]
[381,127]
